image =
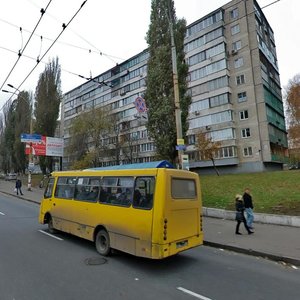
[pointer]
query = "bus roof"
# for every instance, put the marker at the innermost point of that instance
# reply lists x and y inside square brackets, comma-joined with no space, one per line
[148,165]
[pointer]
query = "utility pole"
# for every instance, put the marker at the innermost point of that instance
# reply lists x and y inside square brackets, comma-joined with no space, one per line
[30,158]
[180,141]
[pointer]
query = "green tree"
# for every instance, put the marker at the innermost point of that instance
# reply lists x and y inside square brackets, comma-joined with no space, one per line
[159,93]
[22,125]
[48,98]
[87,130]
[8,137]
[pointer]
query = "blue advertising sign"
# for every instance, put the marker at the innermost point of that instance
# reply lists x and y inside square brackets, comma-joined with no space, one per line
[30,138]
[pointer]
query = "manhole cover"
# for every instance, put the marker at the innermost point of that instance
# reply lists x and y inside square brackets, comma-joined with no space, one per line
[95,261]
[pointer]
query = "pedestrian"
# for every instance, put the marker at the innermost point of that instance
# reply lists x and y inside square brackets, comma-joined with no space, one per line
[248,207]
[239,206]
[19,186]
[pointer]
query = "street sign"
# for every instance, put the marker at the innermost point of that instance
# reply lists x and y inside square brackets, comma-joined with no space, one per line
[181,147]
[185,162]
[30,138]
[140,104]
[180,141]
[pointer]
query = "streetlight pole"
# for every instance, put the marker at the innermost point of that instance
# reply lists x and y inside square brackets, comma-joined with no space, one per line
[30,157]
[180,141]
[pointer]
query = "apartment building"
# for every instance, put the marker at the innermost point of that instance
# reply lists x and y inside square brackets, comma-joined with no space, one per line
[235,87]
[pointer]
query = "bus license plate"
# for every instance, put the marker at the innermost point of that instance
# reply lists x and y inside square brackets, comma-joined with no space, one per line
[181,244]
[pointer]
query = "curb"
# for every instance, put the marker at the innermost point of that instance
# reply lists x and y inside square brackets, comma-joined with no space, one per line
[276,258]
[20,197]
[283,220]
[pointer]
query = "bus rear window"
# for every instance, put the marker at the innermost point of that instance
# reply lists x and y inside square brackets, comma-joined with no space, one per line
[183,188]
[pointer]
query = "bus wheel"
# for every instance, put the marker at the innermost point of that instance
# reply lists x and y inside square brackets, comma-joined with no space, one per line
[50,226]
[102,243]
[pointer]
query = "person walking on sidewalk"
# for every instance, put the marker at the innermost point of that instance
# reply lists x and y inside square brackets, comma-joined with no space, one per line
[239,206]
[19,186]
[248,207]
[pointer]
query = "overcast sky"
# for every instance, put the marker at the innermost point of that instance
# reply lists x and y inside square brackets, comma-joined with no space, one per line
[104,33]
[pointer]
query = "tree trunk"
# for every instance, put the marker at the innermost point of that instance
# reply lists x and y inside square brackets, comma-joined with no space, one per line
[213,161]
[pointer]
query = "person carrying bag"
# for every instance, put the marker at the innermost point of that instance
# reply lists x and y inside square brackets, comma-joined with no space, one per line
[239,215]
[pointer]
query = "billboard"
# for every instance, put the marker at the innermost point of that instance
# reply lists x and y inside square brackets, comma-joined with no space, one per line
[46,146]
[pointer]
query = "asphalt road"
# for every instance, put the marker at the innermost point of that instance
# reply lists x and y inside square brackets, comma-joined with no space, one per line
[35,265]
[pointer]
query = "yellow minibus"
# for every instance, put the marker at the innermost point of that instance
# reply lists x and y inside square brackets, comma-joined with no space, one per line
[150,209]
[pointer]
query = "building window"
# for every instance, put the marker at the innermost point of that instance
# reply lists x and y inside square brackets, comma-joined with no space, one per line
[240,79]
[246,133]
[244,115]
[235,29]
[219,100]
[191,139]
[247,151]
[221,135]
[239,62]
[236,45]
[234,13]
[242,97]
[226,152]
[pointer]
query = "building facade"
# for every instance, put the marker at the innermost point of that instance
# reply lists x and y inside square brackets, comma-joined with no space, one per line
[235,87]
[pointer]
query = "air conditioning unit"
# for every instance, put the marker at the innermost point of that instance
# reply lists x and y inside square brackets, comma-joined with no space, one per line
[197,112]
[234,52]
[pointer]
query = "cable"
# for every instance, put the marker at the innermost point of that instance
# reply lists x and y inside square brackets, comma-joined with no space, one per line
[64,26]
[38,58]
[81,76]
[42,11]
[270,4]
[64,70]
[21,40]
[112,58]
[89,43]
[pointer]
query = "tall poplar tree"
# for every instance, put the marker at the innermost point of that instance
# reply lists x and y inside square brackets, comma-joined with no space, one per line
[159,93]
[8,138]
[48,98]
[22,125]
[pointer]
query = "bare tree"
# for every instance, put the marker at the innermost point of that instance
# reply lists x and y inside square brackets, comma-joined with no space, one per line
[87,131]
[207,148]
[293,110]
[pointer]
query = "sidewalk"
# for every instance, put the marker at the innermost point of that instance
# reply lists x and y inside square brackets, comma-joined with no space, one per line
[276,242]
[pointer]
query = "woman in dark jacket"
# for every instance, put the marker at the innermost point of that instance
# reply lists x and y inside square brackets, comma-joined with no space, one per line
[240,207]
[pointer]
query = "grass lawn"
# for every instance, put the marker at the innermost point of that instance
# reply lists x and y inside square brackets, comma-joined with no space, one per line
[35,180]
[272,192]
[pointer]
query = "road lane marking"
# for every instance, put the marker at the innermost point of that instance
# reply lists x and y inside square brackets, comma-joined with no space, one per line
[1,213]
[53,236]
[193,294]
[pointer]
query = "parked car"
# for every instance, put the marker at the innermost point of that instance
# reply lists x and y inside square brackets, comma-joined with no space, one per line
[11,176]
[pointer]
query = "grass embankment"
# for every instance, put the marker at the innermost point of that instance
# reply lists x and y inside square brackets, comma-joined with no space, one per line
[273,192]
[35,180]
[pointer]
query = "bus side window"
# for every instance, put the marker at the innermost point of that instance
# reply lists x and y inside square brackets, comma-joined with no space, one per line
[143,192]
[103,194]
[136,197]
[65,187]
[117,190]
